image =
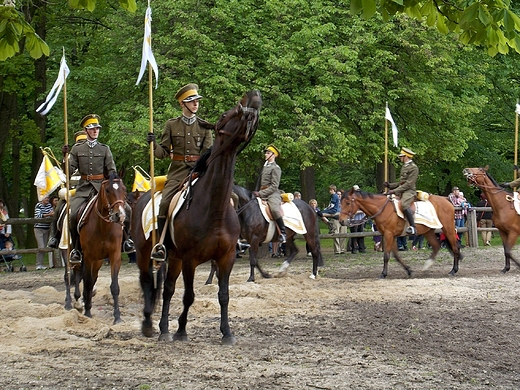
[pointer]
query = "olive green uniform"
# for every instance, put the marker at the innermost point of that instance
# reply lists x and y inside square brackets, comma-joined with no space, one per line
[269,182]
[405,188]
[183,143]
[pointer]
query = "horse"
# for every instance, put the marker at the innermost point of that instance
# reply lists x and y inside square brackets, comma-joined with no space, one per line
[100,237]
[505,218]
[206,227]
[380,208]
[254,229]
[151,274]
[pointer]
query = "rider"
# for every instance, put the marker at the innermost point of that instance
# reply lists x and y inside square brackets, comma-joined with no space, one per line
[183,140]
[55,233]
[93,160]
[269,182]
[405,188]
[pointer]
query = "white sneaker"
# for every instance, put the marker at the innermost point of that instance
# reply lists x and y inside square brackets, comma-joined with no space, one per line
[40,267]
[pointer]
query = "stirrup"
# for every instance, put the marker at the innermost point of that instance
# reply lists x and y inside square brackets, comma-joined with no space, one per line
[75,257]
[282,238]
[242,246]
[128,246]
[411,230]
[159,252]
[53,243]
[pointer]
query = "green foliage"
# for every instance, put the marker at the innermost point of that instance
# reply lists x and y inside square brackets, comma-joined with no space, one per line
[488,23]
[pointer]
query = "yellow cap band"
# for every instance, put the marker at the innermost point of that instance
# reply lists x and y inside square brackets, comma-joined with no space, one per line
[273,150]
[186,94]
[80,137]
[90,122]
[403,153]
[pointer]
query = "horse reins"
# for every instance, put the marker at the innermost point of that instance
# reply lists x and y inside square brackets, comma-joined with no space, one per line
[110,208]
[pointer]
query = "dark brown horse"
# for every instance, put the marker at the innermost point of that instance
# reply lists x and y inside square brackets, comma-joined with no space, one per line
[151,274]
[254,229]
[505,217]
[100,239]
[379,208]
[206,226]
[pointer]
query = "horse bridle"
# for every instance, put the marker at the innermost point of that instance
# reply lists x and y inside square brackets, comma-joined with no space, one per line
[366,218]
[109,206]
[472,181]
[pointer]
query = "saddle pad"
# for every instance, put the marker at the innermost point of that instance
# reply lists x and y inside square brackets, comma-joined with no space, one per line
[425,214]
[146,217]
[292,218]
[516,202]
[64,231]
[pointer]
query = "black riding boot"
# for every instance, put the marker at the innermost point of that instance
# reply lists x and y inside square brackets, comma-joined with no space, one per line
[281,225]
[128,244]
[159,251]
[409,216]
[75,254]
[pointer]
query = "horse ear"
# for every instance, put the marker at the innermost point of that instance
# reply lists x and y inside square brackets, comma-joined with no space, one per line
[486,168]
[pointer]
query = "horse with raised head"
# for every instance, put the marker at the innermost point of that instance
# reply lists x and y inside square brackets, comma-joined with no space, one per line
[100,238]
[206,227]
[255,229]
[505,218]
[381,209]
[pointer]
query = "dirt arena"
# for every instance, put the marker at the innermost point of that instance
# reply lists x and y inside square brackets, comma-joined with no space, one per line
[346,329]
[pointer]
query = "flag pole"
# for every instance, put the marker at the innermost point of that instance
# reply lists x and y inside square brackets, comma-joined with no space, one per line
[516,137]
[152,165]
[66,162]
[386,146]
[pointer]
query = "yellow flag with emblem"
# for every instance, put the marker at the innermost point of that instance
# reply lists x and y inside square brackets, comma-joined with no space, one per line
[140,182]
[48,178]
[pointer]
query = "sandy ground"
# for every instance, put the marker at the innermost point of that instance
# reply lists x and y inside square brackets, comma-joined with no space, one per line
[346,329]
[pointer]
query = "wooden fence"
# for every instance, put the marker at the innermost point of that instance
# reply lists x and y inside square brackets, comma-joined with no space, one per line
[471,228]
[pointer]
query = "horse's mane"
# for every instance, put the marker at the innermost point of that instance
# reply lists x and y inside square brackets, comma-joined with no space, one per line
[363,194]
[243,194]
[490,178]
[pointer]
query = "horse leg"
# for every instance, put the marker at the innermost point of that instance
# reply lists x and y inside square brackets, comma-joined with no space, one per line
[115,265]
[436,246]
[150,289]
[391,247]
[292,251]
[508,240]
[453,247]
[77,274]
[188,274]
[253,262]
[223,299]
[90,275]
[174,270]
[211,272]
[67,278]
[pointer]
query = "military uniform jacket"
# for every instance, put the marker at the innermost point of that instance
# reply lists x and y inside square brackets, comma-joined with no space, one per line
[179,139]
[406,185]
[90,161]
[270,180]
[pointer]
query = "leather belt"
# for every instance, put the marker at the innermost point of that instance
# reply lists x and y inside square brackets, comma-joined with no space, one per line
[187,158]
[264,188]
[92,177]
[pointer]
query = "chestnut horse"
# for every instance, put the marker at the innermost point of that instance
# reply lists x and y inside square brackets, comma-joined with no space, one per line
[381,210]
[206,226]
[254,229]
[100,238]
[505,217]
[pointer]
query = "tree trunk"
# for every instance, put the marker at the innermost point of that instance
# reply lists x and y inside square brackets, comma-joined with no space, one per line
[308,183]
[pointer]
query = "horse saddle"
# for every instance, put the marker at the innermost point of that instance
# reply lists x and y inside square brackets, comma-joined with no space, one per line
[424,213]
[84,211]
[516,201]
[292,218]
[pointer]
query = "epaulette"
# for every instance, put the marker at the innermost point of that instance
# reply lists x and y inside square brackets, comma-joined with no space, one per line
[205,124]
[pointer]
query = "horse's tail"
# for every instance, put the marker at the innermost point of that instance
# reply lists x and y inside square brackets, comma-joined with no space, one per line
[321,263]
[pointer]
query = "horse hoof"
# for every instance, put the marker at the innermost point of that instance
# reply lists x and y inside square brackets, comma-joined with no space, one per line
[180,337]
[427,264]
[78,305]
[147,331]
[229,340]
[251,279]
[382,276]
[312,276]
[117,321]
[284,267]
[165,337]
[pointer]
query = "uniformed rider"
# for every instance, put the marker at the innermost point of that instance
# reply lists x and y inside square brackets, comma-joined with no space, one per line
[406,188]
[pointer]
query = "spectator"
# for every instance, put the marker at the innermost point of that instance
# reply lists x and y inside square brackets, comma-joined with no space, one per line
[5,230]
[418,242]
[402,244]
[484,219]
[43,209]
[458,200]
[331,212]
[297,195]
[357,244]
[378,246]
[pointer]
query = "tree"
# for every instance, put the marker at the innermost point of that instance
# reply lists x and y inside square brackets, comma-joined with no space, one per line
[490,23]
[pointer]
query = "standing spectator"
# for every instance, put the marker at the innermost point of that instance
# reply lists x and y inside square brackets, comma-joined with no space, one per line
[484,219]
[357,244]
[418,242]
[5,230]
[314,204]
[43,209]
[331,212]
[297,195]
[458,200]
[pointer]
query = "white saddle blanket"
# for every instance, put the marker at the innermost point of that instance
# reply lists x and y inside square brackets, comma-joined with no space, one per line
[147,216]
[516,202]
[292,219]
[425,214]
